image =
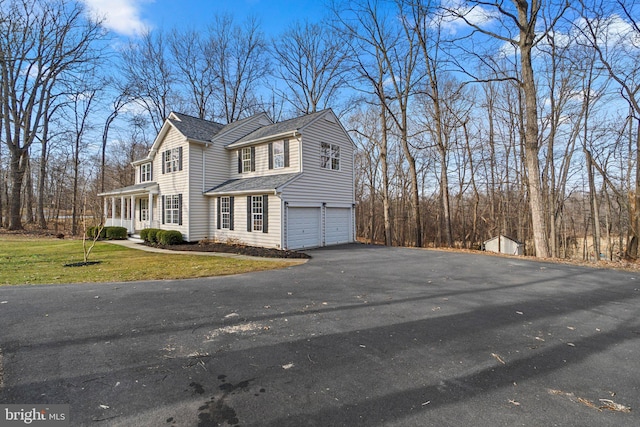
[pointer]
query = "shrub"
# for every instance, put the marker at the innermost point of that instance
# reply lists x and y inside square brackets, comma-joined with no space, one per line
[149,235]
[92,231]
[169,237]
[152,235]
[116,233]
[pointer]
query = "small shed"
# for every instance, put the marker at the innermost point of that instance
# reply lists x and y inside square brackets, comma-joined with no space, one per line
[504,245]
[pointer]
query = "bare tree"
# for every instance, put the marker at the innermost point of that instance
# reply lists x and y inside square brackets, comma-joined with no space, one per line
[523,16]
[240,63]
[193,56]
[150,76]
[122,98]
[40,41]
[613,34]
[311,60]
[396,53]
[80,110]
[420,18]
[369,65]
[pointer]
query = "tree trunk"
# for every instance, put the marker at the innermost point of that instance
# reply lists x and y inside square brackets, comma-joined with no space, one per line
[74,206]
[42,221]
[536,202]
[635,220]
[17,169]
[388,235]
[593,205]
[28,186]
[444,192]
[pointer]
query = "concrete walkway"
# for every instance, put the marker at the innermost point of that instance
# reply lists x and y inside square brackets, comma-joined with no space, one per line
[135,245]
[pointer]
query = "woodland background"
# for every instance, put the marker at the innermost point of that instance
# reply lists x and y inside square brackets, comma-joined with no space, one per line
[471,118]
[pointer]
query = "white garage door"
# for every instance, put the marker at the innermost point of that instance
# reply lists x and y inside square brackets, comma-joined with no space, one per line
[303,230]
[337,227]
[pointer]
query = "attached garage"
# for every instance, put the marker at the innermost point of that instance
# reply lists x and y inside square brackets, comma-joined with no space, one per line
[337,226]
[303,227]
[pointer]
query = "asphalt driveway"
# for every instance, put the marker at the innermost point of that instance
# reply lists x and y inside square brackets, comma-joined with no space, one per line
[359,335]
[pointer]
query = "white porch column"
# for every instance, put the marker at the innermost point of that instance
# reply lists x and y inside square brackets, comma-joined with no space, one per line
[113,210]
[105,208]
[123,210]
[133,214]
[150,214]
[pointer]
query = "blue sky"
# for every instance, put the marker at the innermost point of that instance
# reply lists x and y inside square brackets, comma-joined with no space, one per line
[129,17]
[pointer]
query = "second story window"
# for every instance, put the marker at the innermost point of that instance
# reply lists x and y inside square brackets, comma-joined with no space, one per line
[247,159]
[330,156]
[279,154]
[145,172]
[172,160]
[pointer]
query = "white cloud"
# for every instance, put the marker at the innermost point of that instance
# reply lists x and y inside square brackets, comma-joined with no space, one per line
[611,31]
[120,16]
[475,15]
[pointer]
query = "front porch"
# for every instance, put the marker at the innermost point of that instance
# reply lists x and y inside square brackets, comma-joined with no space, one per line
[132,207]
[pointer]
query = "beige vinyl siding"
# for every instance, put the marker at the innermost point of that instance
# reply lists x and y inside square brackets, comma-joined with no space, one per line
[262,161]
[173,183]
[241,130]
[333,187]
[198,206]
[271,239]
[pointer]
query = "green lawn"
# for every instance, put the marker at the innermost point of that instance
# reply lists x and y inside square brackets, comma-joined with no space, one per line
[41,261]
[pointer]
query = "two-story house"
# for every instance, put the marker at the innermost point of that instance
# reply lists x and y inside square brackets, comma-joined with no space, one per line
[286,185]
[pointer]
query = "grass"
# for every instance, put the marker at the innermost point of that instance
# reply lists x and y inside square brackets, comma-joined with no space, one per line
[25,260]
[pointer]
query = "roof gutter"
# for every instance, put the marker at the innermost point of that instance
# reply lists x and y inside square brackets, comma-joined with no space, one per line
[255,191]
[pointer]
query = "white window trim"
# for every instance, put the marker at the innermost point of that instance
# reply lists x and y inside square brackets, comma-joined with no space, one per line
[225,213]
[171,160]
[257,213]
[330,160]
[172,209]
[278,156]
[246,159]
[145,172]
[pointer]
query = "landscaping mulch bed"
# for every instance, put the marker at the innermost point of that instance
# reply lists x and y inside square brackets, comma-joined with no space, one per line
[236,249]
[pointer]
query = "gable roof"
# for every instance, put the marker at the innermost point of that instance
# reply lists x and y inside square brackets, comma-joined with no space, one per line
[193,128]
[267,183]
[239,123]
[284,128]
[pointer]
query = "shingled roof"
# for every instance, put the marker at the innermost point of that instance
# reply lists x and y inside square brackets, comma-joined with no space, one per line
[280,128]
[257,184]
[194,128]
[145,187]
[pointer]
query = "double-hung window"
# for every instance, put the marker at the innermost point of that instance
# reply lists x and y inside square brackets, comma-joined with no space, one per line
[330,156]
[278,154]
[145,172]
[225,212]
[172,209]
[172,160]
[256,213]
[246,159]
